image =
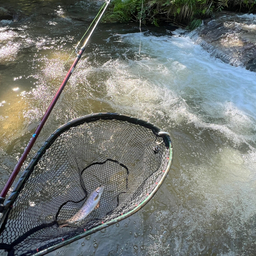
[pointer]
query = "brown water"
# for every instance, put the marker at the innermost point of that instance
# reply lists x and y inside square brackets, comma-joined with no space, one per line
[206,206]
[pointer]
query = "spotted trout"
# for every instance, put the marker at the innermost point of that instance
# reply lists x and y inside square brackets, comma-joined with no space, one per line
[93,202]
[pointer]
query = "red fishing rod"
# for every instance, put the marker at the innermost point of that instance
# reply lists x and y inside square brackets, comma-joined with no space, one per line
[48,111]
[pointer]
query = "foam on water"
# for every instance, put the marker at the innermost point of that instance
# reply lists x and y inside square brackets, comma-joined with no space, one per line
[9,52]
[6,34]
[251,16]
[8,48]
[174,73]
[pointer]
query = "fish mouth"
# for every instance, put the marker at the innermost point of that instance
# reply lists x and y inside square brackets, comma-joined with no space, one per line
[100,189]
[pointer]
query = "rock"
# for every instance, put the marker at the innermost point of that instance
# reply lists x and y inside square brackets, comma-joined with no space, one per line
[230,37]
[251,65]
[5,14]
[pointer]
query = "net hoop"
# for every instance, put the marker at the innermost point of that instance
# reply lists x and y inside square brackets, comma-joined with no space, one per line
[76,122]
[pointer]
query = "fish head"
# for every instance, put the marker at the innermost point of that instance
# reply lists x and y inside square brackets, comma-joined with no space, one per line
[98,192]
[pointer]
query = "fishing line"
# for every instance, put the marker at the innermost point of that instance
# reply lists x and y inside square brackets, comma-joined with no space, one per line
[140,25]
[141,15]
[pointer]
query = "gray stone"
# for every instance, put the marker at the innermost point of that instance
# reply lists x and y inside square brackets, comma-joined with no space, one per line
[231,38]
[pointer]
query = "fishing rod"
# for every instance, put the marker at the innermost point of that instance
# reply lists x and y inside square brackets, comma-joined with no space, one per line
[128,156]
[52,104]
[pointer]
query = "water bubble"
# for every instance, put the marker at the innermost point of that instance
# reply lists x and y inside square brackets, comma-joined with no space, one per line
[117,224]
[95,245]
[88,237]
[135,247]
[82,243]
[136,234]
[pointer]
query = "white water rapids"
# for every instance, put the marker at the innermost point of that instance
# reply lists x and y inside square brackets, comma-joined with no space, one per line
[206,206]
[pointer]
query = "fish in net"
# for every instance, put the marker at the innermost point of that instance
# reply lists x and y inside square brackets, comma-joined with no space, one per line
[128,157]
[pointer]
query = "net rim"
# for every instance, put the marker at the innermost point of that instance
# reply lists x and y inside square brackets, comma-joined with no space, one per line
[139,206]
[75,122]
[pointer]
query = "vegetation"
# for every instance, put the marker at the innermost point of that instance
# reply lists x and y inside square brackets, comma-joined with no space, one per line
[186,12]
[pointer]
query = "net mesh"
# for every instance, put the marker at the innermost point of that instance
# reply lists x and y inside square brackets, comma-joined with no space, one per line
[127,158]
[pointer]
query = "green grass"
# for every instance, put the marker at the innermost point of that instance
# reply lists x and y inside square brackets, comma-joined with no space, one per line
[187,12]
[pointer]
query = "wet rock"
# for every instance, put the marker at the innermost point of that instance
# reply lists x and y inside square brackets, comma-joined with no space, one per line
[251,65]
[5,14]
[230,37]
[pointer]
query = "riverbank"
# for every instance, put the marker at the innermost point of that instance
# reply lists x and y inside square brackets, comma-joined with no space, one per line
[230,37]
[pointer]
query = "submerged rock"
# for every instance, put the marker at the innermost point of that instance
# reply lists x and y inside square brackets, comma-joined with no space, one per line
[230,37]
[5,14]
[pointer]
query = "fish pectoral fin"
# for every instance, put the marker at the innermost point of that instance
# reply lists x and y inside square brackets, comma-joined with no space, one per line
[68,224]
[97,206]
[63,225]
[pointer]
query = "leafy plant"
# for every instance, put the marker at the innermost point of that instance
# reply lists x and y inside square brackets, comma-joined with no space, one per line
[181,11]
[194,24]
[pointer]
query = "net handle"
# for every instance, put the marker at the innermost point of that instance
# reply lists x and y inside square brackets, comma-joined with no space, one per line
[48,111]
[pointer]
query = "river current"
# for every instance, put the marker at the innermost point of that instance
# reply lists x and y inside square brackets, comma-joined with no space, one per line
[206,206]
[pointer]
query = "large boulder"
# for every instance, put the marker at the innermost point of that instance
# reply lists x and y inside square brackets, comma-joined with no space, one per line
[230,37]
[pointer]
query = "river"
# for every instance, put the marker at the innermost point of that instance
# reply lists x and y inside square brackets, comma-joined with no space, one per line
[206,205]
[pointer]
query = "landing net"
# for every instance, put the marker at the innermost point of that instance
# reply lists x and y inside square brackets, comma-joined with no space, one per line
[127,156]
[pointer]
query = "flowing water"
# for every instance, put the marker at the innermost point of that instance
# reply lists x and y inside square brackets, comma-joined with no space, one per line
[206,206]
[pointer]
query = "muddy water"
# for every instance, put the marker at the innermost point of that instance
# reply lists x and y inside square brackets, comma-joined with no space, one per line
[206,206]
